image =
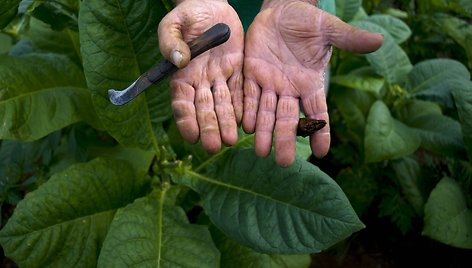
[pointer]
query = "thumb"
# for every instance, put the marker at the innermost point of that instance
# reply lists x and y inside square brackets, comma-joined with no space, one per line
[171,42]
[350,38]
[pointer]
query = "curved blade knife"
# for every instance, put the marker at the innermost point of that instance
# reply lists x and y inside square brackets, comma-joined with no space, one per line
[215,36]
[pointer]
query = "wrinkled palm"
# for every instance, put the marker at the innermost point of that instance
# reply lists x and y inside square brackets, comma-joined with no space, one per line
[287,49]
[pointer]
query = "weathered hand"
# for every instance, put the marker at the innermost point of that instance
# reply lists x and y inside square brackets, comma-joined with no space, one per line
[287,48]
[207,94]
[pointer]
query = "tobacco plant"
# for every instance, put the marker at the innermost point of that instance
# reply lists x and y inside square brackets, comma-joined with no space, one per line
[403,129]
[85,183]
[115,186]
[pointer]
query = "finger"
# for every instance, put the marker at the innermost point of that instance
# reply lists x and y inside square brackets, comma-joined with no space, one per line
[235,84]
[171,42]
[252,94]
[286,130]
[350,38]
[225,113]
[265,123]
[207,120]
[315,107]
[182,95]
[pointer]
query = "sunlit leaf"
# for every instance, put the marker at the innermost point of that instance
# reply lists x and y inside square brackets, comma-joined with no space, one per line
[64,222]
[154,232]
[386,137]
[447,218]
[271,209]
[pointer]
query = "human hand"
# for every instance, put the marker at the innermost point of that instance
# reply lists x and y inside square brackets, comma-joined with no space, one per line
[287,49]
[207,94]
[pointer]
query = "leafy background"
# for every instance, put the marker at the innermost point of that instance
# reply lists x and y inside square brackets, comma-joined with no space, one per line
[85,183]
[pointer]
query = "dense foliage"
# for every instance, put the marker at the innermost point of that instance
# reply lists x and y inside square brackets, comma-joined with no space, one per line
[84,183]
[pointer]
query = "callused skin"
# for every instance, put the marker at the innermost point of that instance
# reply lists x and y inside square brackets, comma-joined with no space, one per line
[286,51]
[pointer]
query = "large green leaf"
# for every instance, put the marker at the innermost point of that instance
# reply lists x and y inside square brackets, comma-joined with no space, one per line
[153,232]
[463,101]
[271,209]
[386,137]
[234,255]
[435,79]
[347,9]
[8,10]
[390,61]
[447,218]
[394,26]
[118,43]
[41,93]
[460,31]
[64,222]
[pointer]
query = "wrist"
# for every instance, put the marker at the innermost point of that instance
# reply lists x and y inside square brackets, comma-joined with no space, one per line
[274,3]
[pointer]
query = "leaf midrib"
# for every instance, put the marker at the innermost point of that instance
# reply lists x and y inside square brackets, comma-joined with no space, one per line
[237,188]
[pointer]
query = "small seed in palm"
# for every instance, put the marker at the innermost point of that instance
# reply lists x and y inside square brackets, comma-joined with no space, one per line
[307,126]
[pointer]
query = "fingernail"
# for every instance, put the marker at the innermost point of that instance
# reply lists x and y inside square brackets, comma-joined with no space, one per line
[176,57]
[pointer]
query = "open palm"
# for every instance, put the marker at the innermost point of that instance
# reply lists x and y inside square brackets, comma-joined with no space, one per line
[287,49]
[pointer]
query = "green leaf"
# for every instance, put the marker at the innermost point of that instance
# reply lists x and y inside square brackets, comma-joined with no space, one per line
[463,101]
[41,93]
[354,107]
[8,10]
[347,9]
[271,209]
[387,138]
[439,134]
[435,79]
[43,39]
[362,78]
[390,61]
[408,172]
[303,148]
[447,218]
[64,222]
[153,232]
[460,31]
[140,159]
[233,255]
[398,29]
[59,14]
[118,43]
